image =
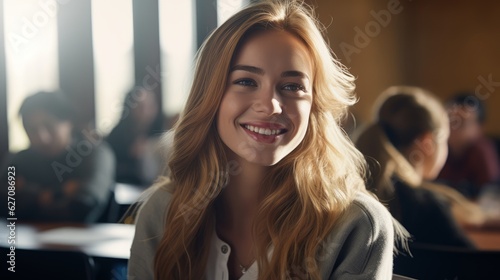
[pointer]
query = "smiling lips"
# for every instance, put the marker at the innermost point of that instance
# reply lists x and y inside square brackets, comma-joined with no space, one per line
[267,134]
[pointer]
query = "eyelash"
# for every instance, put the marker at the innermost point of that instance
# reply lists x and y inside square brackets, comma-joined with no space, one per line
[245,83]
[252,83]
[297,87]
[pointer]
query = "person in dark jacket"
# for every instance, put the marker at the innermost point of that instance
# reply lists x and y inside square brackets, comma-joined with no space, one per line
[61,176]
[135,138]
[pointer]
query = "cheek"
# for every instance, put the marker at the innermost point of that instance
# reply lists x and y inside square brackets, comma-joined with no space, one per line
[63,133]
[440,157]
[443,153]
[302,115]
[228,112]
[232,106]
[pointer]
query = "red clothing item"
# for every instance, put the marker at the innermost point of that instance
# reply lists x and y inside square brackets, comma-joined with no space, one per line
[478,166]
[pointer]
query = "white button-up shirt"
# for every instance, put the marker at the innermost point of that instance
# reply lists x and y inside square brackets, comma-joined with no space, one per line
[218,259]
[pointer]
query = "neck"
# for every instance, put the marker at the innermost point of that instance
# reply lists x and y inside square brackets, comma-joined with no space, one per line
[240,198]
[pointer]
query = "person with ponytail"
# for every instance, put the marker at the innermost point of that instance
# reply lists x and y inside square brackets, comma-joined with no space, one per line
[263,182]
[406,147]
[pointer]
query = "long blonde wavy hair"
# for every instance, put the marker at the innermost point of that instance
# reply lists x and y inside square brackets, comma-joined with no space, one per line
[307,190]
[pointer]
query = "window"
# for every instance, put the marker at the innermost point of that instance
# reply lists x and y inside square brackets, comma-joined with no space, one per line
[178,41]
[112,31]
[177,45]
[227,8]
[31,58]
[31,46]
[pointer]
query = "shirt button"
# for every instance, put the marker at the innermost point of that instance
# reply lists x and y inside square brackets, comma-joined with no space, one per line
[224,249]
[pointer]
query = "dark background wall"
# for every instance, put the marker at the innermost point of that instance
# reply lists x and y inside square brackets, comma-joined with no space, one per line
[444,46]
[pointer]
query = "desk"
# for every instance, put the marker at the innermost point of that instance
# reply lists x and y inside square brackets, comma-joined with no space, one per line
[97,240]
[486,237]
[107,244]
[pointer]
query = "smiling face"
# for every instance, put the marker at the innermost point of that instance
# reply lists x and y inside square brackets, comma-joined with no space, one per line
[265,109]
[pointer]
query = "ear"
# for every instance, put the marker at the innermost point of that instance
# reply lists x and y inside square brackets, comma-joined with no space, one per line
[425,143]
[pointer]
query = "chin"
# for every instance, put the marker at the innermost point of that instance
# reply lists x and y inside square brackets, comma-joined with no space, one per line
[263,160]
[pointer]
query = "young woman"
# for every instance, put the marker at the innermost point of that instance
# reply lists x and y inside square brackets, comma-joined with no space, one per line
[408,147]
[264,183]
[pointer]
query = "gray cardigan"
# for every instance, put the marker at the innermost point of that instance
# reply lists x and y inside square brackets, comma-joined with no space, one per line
[359,247]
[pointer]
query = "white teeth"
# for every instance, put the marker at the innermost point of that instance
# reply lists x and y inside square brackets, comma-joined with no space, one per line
[263,131]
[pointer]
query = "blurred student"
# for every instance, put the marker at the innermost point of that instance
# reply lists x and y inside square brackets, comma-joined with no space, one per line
[134,139]
[61,176]
[406,146]
[473,160]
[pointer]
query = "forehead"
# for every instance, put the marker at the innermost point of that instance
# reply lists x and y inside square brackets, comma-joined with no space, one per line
[266,48]
[39,118]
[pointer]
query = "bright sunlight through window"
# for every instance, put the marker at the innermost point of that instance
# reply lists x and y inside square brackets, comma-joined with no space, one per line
[177,45]
[227,8]
[112,29]
[31,57]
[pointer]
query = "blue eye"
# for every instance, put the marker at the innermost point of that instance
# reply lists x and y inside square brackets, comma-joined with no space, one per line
[294,87]
[245,82]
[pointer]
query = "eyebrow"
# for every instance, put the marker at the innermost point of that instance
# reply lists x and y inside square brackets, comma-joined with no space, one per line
[293,73]
[248,68]
[259,71]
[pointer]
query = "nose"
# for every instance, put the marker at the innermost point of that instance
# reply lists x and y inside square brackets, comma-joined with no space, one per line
[43,136]
[268,102]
